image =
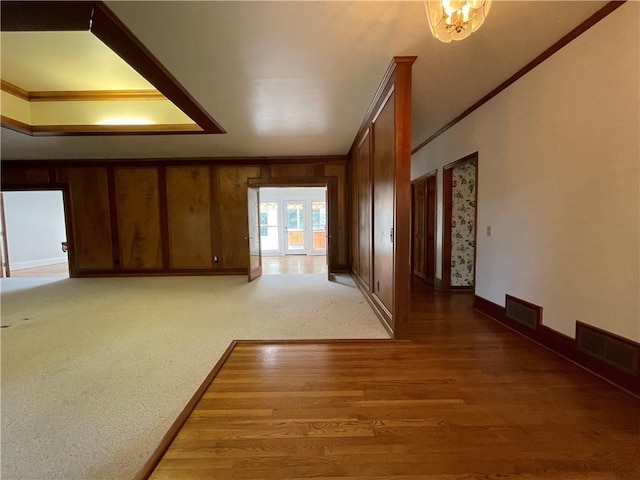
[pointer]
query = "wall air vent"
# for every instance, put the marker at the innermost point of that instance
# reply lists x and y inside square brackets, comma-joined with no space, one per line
[621,353]
[525,313]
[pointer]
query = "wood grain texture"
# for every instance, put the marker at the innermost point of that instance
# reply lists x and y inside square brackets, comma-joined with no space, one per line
[475,401]
[138,218]
[383,193]
[94,95]
[232,213]
[90,219]
[364,208]
[418,228]
[14,90]
[189,216]
[339,232]
[430,241]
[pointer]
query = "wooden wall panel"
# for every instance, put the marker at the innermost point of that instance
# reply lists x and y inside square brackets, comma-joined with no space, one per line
[340,231]
[363,159]
[291,171]
[19,176]
[383,204]
[189,216]
[232,213]
[90,219]
[353,216]
[138,207]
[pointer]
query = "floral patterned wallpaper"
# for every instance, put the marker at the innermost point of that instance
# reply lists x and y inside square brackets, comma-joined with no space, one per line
[463,224]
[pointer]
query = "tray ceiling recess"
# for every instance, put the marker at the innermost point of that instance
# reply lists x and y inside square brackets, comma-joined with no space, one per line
[73,68]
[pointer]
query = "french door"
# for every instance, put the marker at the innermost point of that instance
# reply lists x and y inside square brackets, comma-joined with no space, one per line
[305,227]
[294,228]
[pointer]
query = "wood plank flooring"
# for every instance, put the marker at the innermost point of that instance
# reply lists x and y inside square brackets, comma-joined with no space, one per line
[468,400]
[58,270]
[293,264]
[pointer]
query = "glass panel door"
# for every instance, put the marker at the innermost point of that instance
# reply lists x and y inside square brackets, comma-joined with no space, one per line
[294,227]
[269,236]
[319,217]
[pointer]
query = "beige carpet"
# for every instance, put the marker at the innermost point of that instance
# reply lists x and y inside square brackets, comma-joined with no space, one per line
[94,371]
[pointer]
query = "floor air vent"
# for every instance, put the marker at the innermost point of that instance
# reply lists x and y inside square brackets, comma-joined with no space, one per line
[624,355]
[524,313]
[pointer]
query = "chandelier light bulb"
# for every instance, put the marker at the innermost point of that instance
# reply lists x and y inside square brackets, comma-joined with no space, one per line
[455,19]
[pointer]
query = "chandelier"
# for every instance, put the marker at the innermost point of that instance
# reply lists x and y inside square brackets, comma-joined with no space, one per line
[455,19]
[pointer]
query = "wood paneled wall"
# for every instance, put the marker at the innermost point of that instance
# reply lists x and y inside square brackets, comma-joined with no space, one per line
[144,217]
[380,160]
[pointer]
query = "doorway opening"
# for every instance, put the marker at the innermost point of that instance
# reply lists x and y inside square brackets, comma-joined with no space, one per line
[423,227]
[293,230]
[460,197]
[34,234]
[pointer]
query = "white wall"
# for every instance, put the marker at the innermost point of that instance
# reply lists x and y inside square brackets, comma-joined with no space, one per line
[35,228]
[559,182]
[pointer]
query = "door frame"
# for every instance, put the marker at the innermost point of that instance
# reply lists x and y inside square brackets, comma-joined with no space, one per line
[68,222]
[331,184]
[427,206]
[285,225]
[253,234]
[447,198]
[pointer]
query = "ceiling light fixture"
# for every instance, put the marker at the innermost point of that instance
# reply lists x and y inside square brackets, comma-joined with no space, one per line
[455,19]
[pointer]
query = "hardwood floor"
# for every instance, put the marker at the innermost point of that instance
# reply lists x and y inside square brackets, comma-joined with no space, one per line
[469,399]
[293,264]
[59,270]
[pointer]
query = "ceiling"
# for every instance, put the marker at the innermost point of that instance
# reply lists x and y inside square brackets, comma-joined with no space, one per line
[32,61]
[296,77]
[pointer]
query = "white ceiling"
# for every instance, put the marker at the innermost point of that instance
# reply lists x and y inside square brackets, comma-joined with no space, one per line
[296,77]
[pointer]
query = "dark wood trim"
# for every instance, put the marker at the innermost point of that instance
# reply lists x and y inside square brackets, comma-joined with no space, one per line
[171,434]
[85,130]
[161,272]
[97,18]
[447,203]
[21,16]
[447,194]
[164,217]
[214,219]
[14,90]
[108,28]
[377,307]
[15,125]
[113,217]
[564,346]
[323,341]
[564,41]
[173,161]
[94,95]
[402,200]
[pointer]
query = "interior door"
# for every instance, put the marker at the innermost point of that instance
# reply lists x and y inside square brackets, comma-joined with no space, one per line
[253,238]
[430,240]
[418,228]
[294,227]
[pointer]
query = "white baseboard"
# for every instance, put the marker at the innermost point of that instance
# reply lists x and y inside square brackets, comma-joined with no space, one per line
[37,263]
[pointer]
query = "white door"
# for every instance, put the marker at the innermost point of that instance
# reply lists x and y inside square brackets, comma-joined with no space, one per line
[294,228]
